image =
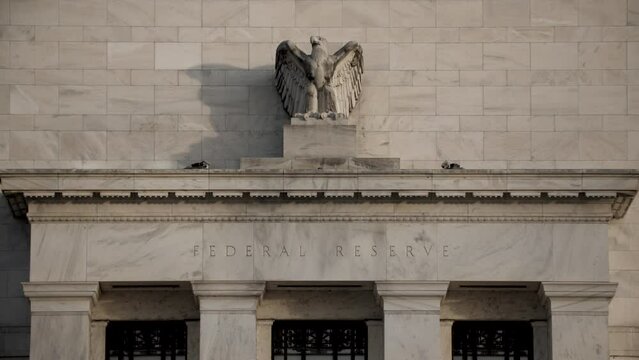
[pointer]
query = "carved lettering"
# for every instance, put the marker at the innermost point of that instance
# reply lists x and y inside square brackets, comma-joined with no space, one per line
[230,250]
[409,251]
[428,249]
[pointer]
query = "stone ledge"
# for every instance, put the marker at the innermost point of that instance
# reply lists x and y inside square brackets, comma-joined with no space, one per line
[577,298]
[615,189]
[61,290]
[55,298]
[578,289]
[412,288]
[228,288]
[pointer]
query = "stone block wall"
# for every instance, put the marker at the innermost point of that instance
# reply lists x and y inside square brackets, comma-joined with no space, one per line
[164,83]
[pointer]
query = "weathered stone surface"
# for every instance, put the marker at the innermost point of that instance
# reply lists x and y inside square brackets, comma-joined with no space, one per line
[320,141]
[319,82]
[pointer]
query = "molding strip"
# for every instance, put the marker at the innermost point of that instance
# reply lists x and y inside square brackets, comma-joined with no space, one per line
[324,218]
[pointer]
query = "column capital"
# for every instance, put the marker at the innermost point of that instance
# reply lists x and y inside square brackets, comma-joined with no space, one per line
[61,297]
[228,288]
[411,296]
[265,322]
[575,298]
[228,296]
[412,288]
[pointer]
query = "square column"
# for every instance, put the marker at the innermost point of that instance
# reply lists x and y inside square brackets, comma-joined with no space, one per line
[61,319]
[411,318]
[98,340]
[264,338]
[446,328]
[578,319]
[228,324]
[375,339]
[193,339]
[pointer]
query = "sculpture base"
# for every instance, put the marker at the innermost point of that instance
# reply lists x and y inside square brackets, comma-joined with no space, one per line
[319,141]
[330,118]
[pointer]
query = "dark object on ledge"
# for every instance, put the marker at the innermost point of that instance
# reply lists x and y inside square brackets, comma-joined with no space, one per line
[449,166]
[199,165]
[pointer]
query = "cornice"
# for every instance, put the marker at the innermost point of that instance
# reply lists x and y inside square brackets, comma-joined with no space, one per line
[62,289]
[576,186]
[596,219]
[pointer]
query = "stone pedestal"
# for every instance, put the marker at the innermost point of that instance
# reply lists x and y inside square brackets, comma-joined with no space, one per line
[578,324]
[319,141]
[228,326]
[320,144]
[411,318]
[60,319]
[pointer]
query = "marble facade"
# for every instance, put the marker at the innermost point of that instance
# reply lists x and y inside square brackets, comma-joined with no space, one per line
[409,252]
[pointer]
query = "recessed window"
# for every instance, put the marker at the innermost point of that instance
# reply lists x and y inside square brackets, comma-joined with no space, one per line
[492,340]
[148,340]
[320,340]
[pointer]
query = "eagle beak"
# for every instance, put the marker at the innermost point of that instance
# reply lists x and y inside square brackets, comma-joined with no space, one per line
[315,40]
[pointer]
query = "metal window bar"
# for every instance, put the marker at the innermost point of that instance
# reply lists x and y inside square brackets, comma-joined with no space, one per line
[162,340]
[508,340]
[306,339]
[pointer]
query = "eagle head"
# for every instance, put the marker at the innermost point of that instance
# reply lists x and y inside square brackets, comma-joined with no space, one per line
[319,41]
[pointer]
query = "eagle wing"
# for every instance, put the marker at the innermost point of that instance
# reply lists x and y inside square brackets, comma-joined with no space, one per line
[347,77]
[290,77]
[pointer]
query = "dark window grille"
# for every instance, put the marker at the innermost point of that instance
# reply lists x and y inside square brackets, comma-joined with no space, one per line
[320,340]
[477,340]
[148,340]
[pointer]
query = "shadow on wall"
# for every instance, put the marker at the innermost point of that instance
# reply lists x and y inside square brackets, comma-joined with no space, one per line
[14,269]
[242,115]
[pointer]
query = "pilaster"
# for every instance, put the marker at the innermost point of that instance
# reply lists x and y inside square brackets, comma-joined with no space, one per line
[375,339]
[228,325]
[264,337]
[578,319]
[540,340]
[193,339]
[61,319]
[446,329]
[411,318]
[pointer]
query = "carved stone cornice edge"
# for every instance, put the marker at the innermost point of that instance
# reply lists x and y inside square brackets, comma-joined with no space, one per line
[320,218]
[617,187]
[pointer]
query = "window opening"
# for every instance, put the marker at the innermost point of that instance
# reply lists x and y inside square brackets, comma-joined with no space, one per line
[148,340]
[492,340]
[319,340]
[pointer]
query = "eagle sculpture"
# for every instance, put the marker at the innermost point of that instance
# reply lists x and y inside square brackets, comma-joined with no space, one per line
[319,82]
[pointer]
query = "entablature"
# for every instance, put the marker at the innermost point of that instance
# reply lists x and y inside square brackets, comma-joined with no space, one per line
[559,193]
